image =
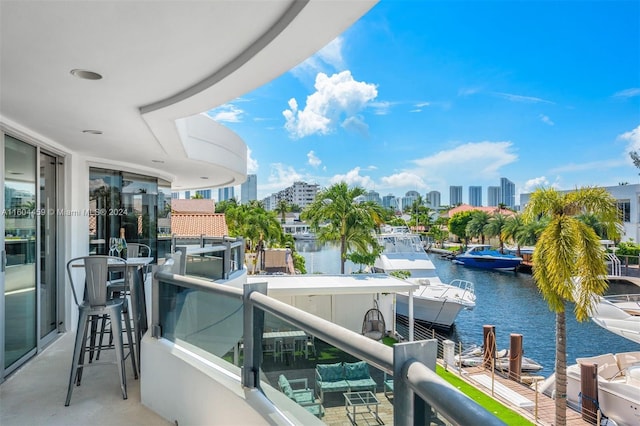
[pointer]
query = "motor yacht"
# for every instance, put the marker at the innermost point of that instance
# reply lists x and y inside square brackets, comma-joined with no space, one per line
[435,302]
[618,387]
[620,314]
[481,256]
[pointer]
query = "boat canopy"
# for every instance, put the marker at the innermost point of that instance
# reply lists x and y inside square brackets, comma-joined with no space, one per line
[298,285]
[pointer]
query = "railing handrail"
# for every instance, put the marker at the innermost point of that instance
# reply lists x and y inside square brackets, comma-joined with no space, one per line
[442,396]
[433,390]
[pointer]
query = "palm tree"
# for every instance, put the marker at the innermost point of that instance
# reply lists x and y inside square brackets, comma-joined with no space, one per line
[512,228]
[494,228]
[282,208]
[569,252]
[476,226]
[346,221]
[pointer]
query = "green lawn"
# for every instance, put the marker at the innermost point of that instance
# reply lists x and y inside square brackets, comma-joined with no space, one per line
[502,412]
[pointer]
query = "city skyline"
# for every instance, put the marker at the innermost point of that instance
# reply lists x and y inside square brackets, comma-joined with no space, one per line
[426,95]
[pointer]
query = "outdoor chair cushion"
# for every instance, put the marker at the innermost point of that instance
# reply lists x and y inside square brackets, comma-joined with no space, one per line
[356,370]
[285,387]
[330,372]
[358,377]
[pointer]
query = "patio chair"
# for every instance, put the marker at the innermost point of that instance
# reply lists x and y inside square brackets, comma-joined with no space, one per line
[301,395]
[388,385]
[288,346]
[373,324]
[97,306]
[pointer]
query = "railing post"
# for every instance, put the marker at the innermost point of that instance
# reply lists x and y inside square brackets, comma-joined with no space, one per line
[252,336]
[226,259]
[408,408]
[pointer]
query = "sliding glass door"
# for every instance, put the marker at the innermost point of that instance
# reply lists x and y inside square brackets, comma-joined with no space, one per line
[31,302]
[20,231]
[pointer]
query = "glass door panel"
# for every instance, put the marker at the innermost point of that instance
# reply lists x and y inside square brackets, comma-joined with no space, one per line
[48,253]
[20,246]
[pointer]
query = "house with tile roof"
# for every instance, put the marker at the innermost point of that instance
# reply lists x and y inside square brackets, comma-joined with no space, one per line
[196,217]
[194,206]
[490,210]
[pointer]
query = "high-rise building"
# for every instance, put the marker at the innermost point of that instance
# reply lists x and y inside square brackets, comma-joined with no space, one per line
[508,192]
[300,193]
[225,194]
[390,202]
[455,195]
[493,196]
[409,198]
[249,189]
[475,196]
[373,196]
[433,200]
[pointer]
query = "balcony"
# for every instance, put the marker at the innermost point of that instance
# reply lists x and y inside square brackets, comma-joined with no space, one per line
[193,373]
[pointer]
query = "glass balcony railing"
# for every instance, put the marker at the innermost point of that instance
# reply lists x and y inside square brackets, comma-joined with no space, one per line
[221,319]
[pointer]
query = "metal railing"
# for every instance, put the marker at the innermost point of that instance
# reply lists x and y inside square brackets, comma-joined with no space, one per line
[229,250]
[418,390]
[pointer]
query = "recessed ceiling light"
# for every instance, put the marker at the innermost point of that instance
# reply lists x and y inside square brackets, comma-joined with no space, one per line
[92,132]
[157,161]
[85,74]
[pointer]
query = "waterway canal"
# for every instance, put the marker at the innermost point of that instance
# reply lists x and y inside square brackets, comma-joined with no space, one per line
[510,301]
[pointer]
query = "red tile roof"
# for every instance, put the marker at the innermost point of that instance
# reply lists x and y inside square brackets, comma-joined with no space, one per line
[211,225]
[193,205]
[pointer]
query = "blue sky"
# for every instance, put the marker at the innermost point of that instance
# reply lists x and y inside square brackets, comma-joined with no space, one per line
[421,95]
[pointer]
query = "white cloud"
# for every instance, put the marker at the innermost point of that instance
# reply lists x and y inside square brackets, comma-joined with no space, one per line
[422,104]
[227,113]
[546,119]
[313,159]
[533,184]
[381,107]
[353,178]
[356,124]
[326,60]
[521,98]
[403,180]
[337,98]
[590,166]
[332,53]
[628,93]
[468,91]
[482,159]
[281,176]
[633,139]
[252,163]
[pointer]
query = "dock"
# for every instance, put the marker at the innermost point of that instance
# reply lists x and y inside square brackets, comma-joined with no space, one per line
[538,408]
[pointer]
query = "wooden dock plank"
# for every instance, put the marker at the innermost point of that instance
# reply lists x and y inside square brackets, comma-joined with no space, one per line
[545,405]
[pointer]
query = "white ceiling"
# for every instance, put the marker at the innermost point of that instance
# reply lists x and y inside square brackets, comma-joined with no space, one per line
[160,61]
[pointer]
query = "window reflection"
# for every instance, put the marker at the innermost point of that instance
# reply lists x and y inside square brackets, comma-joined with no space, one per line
[122,200]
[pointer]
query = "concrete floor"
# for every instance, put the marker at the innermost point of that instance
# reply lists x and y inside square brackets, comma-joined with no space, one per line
[35,394]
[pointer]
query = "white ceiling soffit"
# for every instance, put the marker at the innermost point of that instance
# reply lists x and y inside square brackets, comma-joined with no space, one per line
[160,61]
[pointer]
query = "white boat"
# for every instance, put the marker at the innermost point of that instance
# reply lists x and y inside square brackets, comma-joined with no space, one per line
[473,357]
[620,314]
[304,236]
[618,387]
[481,256]
[434,302]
